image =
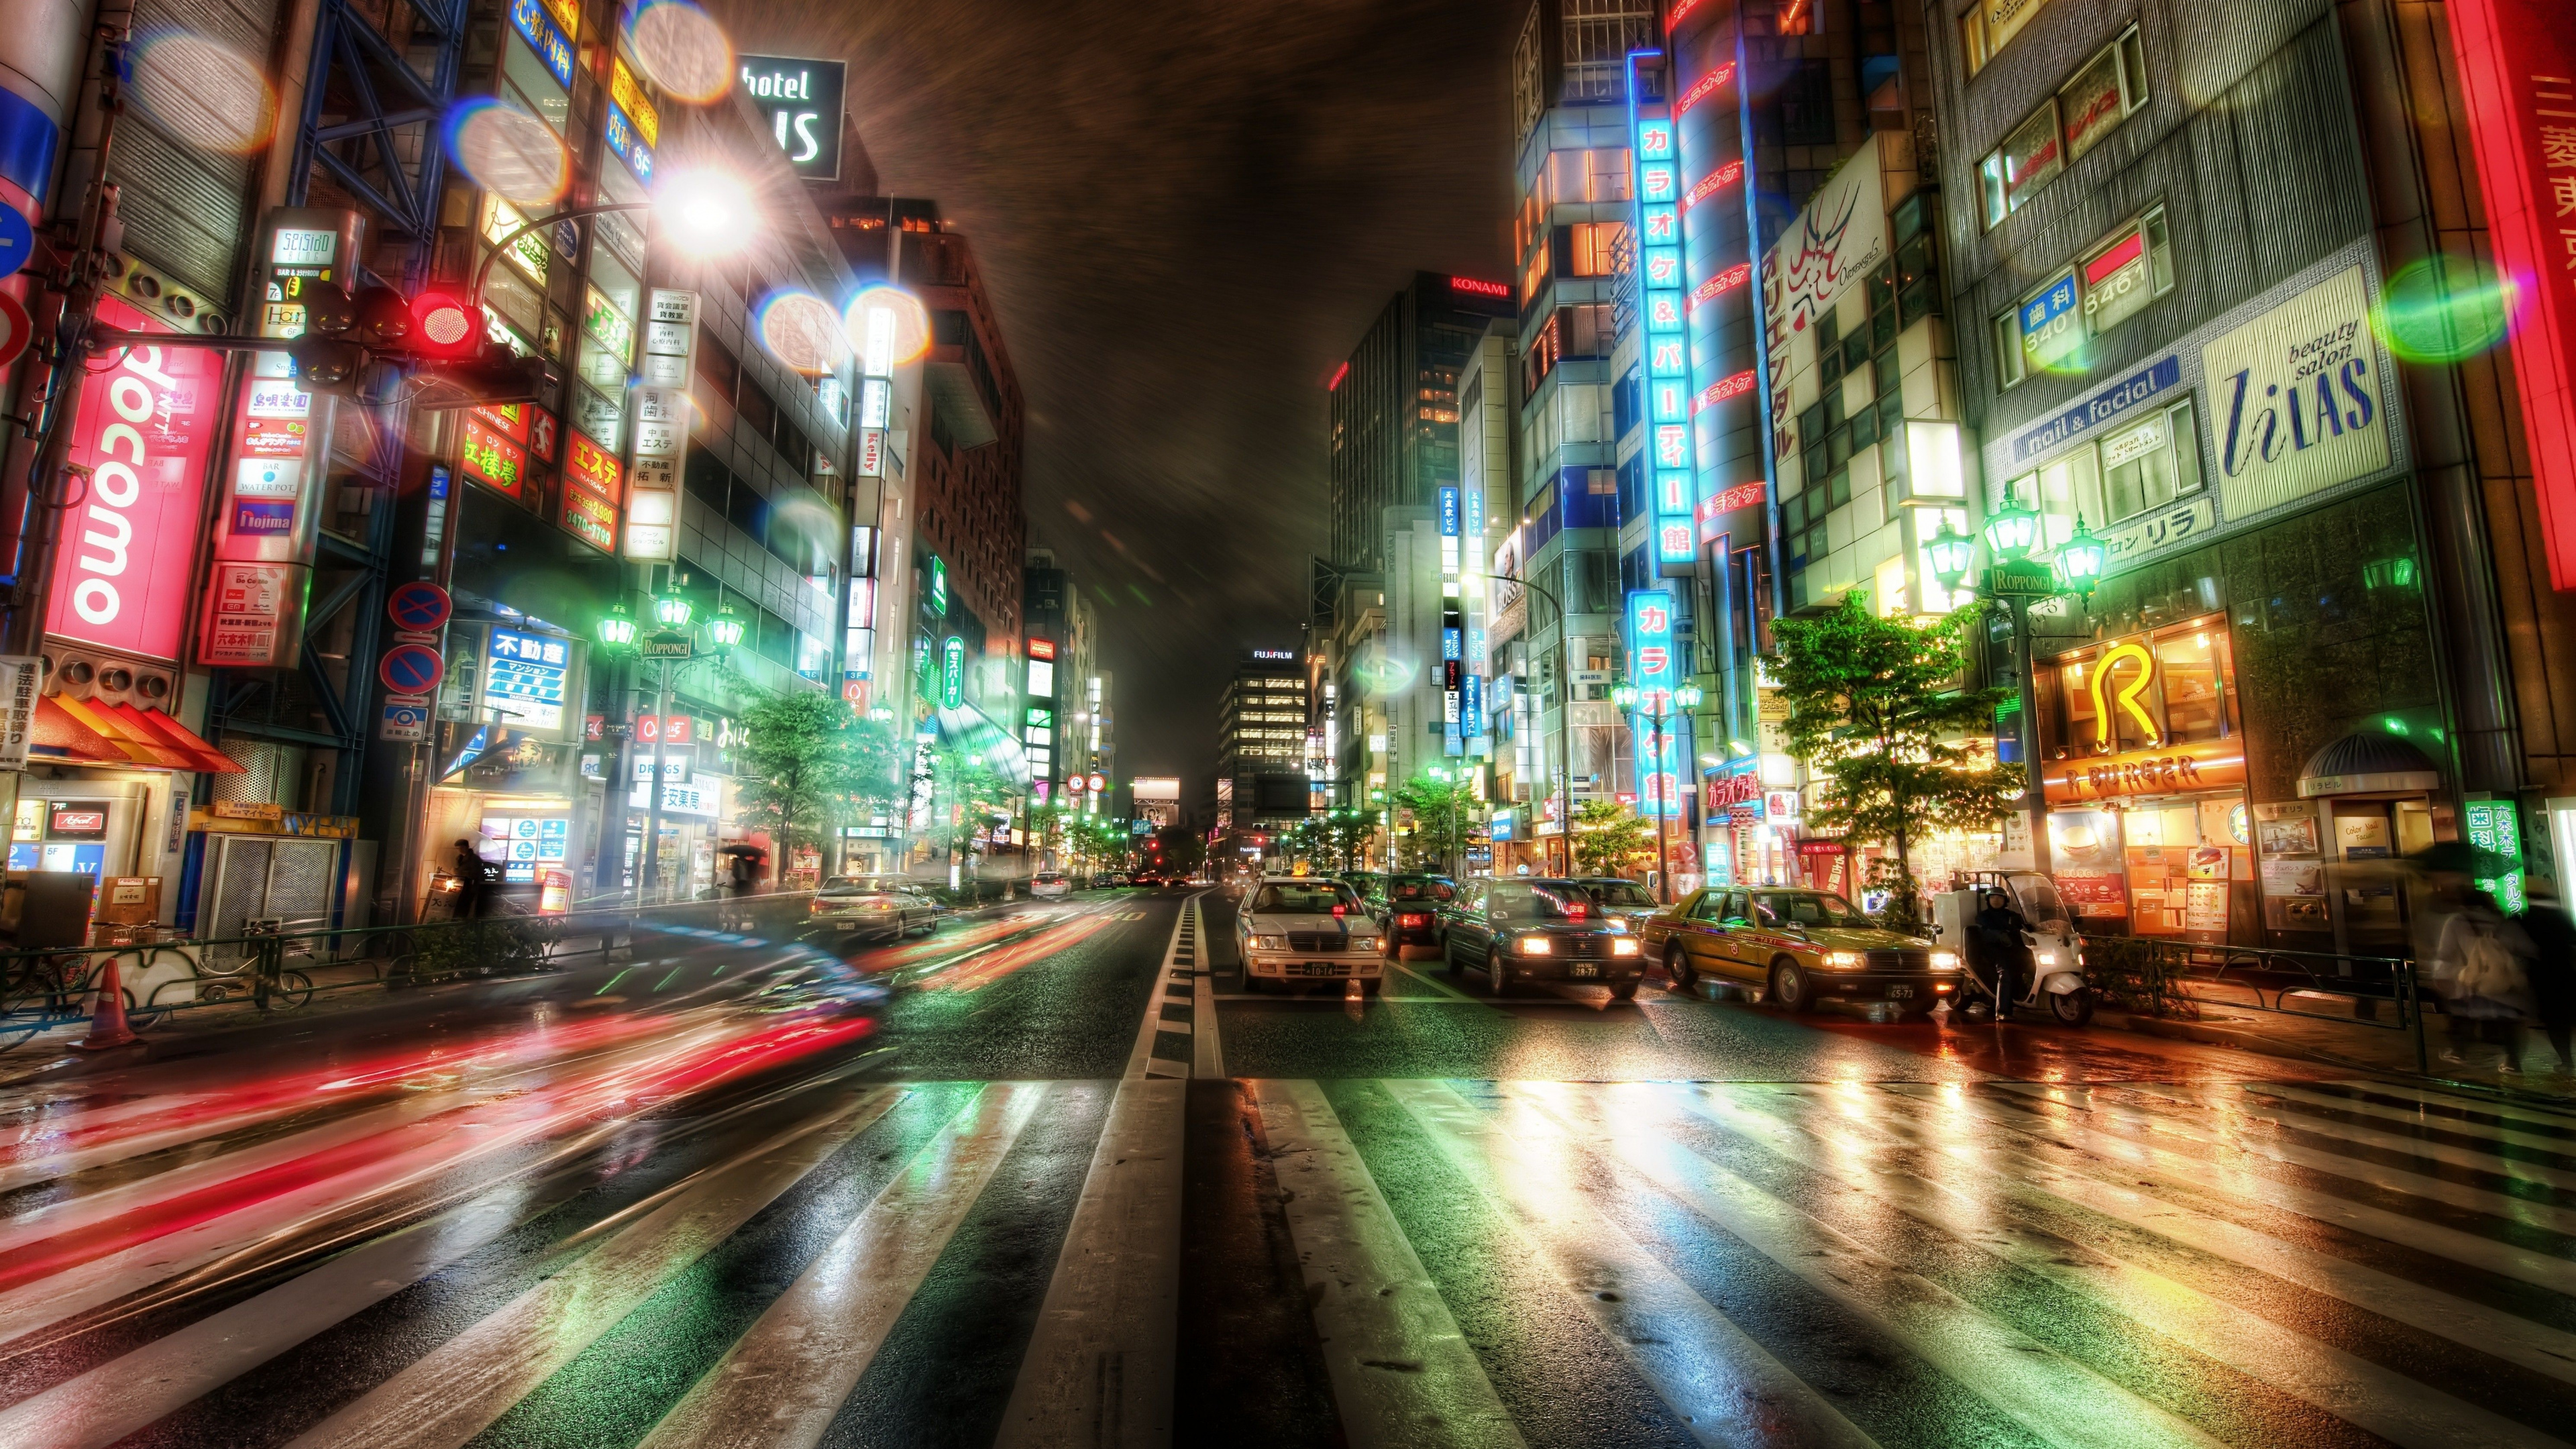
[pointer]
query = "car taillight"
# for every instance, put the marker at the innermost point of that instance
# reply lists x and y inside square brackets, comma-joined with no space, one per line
[1413,920]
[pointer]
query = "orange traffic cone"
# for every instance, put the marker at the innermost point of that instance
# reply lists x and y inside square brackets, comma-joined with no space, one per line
[107,1028]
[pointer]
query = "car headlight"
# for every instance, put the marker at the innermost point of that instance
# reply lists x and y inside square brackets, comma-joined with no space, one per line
[2045,958]
[1535,945]
[1945,960]
[1624,946]
[1845,960]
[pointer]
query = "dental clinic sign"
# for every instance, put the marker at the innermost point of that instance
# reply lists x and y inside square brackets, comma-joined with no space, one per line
[2295,404]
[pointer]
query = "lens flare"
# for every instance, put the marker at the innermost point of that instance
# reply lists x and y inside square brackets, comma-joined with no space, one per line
[802,331]
[705,212]
[508,151]
[1383,675]
[203,92]
[683,50]
[2445,309]
[887,327]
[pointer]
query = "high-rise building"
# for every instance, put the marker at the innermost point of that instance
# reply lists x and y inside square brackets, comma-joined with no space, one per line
[1062,649]
[1394,407]
[1262,722]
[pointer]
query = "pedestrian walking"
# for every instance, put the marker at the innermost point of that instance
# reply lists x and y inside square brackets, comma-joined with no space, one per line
[2551,967]
[473,881]
[1999,933]
[2479,970]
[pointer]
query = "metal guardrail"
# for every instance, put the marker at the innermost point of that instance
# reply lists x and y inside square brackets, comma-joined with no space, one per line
[272,968]
[2280,973]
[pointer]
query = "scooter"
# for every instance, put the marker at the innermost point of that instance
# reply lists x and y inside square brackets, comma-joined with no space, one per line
[2055,952]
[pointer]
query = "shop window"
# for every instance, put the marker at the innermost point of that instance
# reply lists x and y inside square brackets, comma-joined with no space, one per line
[2106,90]
[2191,667]
[1991,26]
[2149,464]
[2116,280]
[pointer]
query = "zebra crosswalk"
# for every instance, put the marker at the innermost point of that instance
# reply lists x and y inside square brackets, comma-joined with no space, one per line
[1469,1262]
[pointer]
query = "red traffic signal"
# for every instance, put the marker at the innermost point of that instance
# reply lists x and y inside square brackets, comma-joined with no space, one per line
[443,326]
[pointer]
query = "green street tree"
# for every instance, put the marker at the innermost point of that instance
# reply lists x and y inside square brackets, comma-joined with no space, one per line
[1440,811]
[1610,838]
[1876,706]
[806,763]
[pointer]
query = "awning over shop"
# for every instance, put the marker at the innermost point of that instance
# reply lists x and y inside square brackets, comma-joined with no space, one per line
[90,732]
[2368,763]
[971,731]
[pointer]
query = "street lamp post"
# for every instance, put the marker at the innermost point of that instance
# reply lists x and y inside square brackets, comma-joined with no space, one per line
[2016,581]
[1564,712]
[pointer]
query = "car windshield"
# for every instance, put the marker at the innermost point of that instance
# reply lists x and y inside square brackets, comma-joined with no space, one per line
[1306,897]
[1554,900]
[1805,908]
[1048,877]
[1422,890]
[1619,893]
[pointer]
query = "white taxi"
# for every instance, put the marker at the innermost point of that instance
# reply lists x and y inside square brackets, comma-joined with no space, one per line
[1296,931]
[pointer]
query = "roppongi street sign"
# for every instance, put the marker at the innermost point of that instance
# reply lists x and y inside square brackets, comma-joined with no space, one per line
[121,574]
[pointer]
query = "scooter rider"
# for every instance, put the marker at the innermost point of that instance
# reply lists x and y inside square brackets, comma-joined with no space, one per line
[2006,949]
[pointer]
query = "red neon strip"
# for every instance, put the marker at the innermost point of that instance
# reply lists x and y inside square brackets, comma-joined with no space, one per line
[1726,175]
[2114,259]
[1339,373]
[2517,61]
[1724,282]
[1719,391]
[1700,92]
[1681,12]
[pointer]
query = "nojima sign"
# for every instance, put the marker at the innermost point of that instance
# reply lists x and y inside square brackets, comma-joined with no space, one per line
[121,578]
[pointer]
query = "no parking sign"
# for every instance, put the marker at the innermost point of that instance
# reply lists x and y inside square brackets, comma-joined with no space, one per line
[417,607]
[411,669]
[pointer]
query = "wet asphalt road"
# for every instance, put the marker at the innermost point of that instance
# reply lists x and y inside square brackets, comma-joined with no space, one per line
[1065,1183]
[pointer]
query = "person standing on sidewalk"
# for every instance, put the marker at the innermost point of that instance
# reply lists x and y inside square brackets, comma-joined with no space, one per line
[2551,967]
[2479,970]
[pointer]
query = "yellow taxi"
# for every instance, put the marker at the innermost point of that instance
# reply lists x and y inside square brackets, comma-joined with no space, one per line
[1801,947]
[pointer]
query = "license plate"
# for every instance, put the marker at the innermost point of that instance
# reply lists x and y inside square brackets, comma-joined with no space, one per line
[1322,968]
[1582,973]
[1899,993]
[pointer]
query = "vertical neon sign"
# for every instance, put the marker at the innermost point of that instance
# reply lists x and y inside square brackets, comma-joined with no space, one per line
[1651,669]
[1656,183]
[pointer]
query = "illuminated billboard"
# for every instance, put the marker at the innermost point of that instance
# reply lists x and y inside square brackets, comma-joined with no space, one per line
[121,572]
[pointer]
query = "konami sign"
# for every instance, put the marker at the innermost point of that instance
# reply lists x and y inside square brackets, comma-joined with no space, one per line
[121,570]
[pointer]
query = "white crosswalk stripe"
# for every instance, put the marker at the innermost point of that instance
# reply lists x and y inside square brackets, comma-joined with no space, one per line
[2138,1264]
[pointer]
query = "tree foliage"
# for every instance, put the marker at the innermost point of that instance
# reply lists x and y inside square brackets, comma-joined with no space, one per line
[1610,838]
[806,762]
[1876,706]
[1441,812]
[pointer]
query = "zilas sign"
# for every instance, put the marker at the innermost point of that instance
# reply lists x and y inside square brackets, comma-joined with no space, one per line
[2296,400]
[801,101]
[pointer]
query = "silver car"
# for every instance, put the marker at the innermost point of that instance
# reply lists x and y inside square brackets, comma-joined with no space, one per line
[884,906]
[1294,931]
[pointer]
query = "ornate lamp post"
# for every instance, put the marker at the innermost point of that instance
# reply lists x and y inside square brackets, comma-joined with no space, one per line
[2014,580]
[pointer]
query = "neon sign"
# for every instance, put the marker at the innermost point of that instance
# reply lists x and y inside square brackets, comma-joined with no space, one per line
[1725,175]
[1660,279]
[952,673]
[1481,289]
[1722,389]
[1651,668]
[1708,84]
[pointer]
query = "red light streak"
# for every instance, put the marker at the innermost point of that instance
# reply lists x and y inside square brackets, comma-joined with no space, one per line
[1719,391]
[1724,282]
[1701,91]
[1339,373]
[1725,175]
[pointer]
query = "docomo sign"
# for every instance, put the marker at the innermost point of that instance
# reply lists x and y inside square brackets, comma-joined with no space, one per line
[2516,58]
[121,572]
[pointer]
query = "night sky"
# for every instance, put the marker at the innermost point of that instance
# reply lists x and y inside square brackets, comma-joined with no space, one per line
[1188,212]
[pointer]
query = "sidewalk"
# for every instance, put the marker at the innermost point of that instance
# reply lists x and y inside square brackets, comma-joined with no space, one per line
[2363,1046]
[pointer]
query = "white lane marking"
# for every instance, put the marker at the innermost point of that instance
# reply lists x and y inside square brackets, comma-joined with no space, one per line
[2495,1106]
[781,1383]
[1781,1120]
[1403,1375]
[457,1390]
[120,1396]
[1098,1371]
[2376,1132]
[2228,1175]
[1725,1386]
[2264,1146]
[1963,1203]
[2387,1112]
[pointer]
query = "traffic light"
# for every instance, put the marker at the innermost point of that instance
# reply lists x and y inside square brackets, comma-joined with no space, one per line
[368,346]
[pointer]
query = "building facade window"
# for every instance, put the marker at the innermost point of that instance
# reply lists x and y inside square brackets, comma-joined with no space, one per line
[2113,282]
[1990,25]
[2106,90]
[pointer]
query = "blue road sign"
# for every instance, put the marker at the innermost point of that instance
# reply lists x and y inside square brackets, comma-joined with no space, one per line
[411,669]
[17,240]
[418,606]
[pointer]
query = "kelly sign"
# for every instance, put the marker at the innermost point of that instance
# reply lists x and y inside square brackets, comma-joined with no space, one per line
[121,579]
[2517,63]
